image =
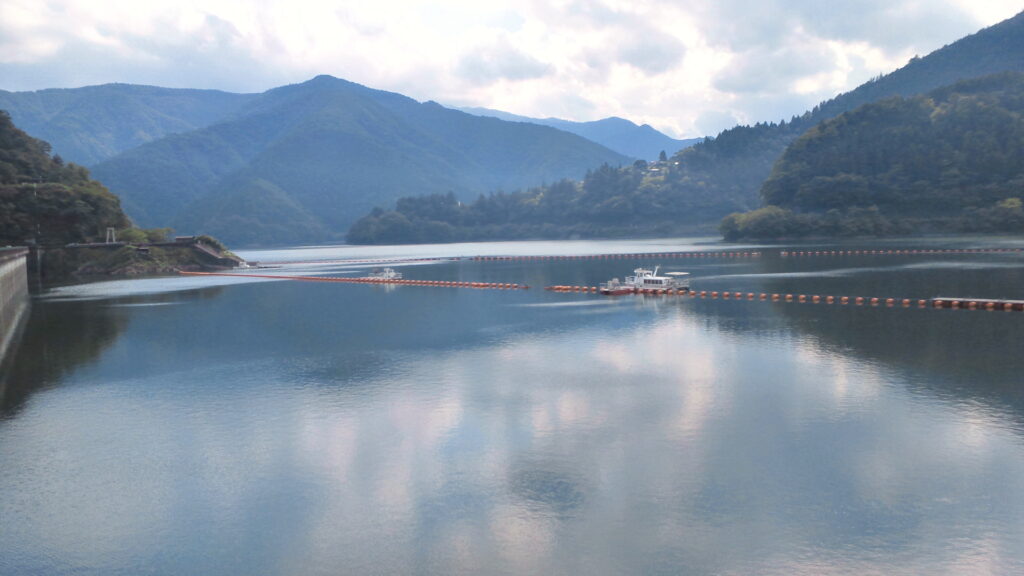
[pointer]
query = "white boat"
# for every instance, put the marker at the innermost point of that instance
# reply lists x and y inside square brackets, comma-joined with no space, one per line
[386,274]
[644,279]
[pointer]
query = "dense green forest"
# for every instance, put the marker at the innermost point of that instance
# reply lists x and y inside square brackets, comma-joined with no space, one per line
[599,205]
[947,161]
[718,176]
[44,199]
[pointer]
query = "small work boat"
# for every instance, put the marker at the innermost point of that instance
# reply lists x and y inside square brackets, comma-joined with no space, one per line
[386,274]
[644,279]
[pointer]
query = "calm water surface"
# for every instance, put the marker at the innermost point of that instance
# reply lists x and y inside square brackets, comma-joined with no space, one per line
[242,426]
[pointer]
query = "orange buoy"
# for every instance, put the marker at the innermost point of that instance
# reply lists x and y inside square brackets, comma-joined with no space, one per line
[859,301]
[789,297]
[763,296]
[972,305]
[906,302]
[889,302]
[830,299]
[775,297]
[816,299]
[802,298]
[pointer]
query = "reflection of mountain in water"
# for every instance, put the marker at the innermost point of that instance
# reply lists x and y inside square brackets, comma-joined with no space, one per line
[61,336]
[965,356]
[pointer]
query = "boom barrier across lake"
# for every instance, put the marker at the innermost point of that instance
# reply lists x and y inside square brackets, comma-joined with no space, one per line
[950,303]
[369,280]
[889,302]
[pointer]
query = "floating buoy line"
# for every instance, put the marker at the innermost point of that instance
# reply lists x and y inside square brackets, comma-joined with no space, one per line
[369,280]
[660,255]
[357,261]
[905,252]
[951,303]
[557,257]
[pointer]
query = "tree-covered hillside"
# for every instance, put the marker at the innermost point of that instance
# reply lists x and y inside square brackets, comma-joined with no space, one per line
[302,162]
[950,160]
[46,200]
[733,166]
[705,182]
[604,203]
[91,124]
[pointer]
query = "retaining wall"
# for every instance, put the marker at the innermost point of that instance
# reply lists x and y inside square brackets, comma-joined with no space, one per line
[13,294]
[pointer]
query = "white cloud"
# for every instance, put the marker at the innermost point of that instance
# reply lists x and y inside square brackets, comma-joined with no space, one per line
[500,61]
[762,71]
[684,67]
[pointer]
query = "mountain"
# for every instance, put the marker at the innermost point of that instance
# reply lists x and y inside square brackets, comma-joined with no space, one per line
[302,162]
[702,184]
[46,200]
[91,124]
[949,160]
[732,167]
[616,134]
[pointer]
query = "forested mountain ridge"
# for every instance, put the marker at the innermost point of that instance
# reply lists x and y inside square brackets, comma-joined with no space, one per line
[732,166]
[950,160]
[91,124]
[618,134]
[302,162]
[45,200]
[703,183]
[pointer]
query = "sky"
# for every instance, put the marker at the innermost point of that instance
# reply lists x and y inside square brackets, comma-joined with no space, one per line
[689,67]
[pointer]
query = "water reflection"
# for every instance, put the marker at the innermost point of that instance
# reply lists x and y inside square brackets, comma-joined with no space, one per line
[287,428]
[55,340]
[60,337]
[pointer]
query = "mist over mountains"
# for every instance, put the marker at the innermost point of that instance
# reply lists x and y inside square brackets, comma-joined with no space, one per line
[619,134]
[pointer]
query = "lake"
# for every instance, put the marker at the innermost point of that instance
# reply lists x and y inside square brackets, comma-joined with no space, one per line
[215,425]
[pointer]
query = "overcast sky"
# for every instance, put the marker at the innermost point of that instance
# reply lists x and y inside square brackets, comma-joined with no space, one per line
[688,67]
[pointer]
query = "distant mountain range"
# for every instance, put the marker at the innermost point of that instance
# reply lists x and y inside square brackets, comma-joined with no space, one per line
[617,134]
[294,164]
[300,163]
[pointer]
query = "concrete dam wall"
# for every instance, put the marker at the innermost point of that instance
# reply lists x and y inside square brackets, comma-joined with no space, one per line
[13,294]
